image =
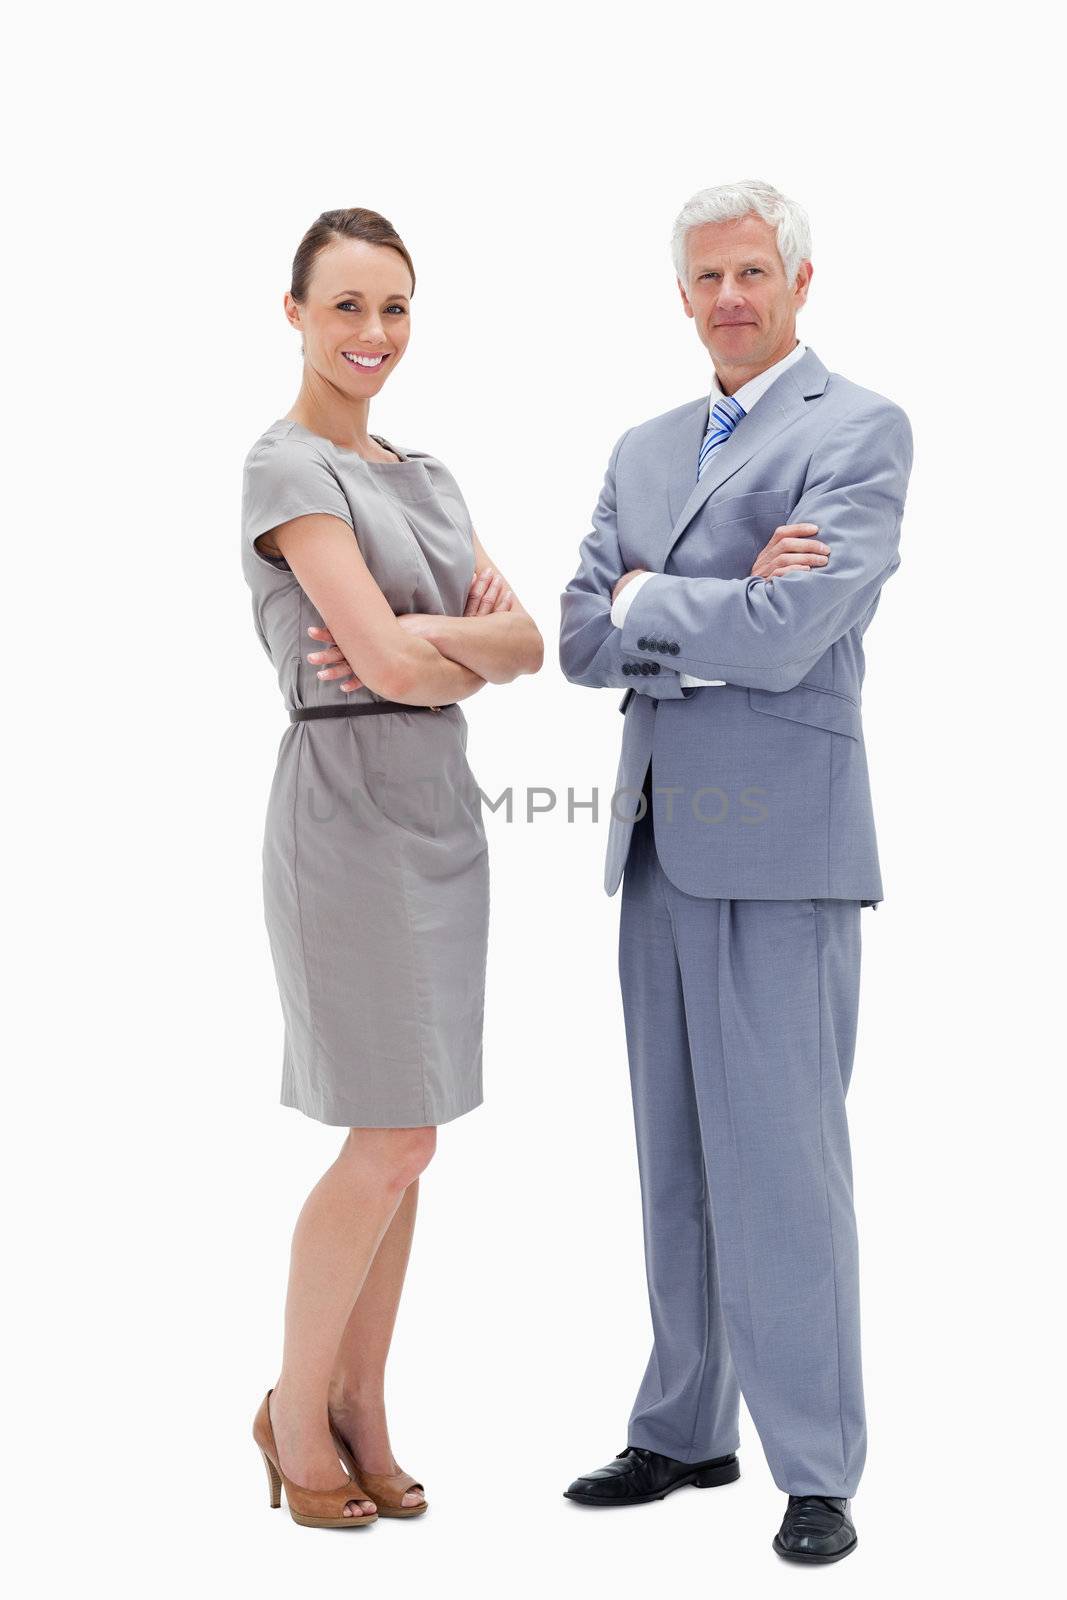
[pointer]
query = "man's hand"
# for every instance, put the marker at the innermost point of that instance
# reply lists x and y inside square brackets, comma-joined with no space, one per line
[623,581]
[791,545]
[487,594]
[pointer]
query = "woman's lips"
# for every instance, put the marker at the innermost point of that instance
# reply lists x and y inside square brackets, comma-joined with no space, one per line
[366,362]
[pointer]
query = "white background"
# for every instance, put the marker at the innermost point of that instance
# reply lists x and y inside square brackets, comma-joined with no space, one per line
[164,166]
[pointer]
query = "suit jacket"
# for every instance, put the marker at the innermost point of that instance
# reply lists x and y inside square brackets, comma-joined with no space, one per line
[760,786]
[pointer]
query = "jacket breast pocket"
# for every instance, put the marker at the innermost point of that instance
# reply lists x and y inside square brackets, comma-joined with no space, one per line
[819,708]
[762,505]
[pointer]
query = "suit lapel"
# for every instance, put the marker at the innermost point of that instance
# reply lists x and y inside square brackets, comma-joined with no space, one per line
[780,406]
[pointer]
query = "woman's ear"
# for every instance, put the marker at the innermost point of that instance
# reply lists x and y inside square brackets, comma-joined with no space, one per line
[292,310]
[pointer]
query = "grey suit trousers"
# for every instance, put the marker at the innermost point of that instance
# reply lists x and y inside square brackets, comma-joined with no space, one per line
[741,1026]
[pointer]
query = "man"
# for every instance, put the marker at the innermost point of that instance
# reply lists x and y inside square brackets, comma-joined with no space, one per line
[737,555]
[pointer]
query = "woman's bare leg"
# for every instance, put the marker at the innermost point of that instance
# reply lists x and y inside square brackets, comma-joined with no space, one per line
[357,1386]
[338,1232]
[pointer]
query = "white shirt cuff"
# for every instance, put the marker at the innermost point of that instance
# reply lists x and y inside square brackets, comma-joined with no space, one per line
[687,680]
[626,597]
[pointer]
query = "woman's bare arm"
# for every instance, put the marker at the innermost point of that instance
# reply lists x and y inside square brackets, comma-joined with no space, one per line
[499,648]
[328,565]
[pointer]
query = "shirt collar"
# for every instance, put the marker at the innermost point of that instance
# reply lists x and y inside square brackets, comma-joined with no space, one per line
[751,391]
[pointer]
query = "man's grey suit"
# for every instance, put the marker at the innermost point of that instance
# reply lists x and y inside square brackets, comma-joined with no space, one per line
[739,944]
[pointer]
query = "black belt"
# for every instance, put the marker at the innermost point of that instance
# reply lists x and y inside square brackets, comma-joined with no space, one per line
[366,708]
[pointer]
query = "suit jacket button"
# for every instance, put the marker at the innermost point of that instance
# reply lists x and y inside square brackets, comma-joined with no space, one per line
[642,644]
[627,669]
[646,667]
[673,648]
[655,667]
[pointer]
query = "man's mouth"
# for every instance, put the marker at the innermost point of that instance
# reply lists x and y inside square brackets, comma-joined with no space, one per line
[356,358]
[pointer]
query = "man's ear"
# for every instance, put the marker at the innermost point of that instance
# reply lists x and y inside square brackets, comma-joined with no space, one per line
[804,277]
[685,297]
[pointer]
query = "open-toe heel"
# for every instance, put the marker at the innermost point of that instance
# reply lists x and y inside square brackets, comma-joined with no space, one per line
[387,1490]
[312,1508]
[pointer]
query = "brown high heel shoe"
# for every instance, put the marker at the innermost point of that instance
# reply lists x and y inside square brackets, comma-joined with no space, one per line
[386,1489]
[312,1508]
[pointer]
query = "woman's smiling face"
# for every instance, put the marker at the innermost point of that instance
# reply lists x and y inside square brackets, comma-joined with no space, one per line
[356,319]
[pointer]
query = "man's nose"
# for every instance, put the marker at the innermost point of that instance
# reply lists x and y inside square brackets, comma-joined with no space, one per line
[730,293]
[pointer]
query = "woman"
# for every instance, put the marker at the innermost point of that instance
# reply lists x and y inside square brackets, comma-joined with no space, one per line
[375,867]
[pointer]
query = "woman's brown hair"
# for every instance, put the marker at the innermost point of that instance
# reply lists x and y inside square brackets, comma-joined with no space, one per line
[354,223]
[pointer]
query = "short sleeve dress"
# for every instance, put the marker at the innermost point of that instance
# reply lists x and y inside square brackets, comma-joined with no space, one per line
[375,860]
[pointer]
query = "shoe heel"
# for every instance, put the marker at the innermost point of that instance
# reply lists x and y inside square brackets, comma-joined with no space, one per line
[712,1477]
[274,1479]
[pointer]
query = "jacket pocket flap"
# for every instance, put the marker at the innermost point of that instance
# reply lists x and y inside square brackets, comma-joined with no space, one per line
[821,708]
[763,503]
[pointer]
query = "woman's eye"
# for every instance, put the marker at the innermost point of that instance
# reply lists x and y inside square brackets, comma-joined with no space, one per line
[346,303]
[401,309]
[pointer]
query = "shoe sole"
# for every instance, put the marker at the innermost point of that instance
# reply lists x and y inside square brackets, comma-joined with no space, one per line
[711,1478]
[331,1522]
[811,1556]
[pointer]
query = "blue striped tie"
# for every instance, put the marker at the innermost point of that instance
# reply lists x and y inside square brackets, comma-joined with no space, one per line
[725,415]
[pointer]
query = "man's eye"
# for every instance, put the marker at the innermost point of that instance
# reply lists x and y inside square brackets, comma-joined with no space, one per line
[402,309]
[345,303]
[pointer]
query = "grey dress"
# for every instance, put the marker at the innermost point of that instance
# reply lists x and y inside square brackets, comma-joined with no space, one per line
[375,860]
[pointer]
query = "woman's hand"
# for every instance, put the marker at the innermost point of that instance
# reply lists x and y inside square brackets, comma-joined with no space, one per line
[789,546]
[331,662]
[488,593]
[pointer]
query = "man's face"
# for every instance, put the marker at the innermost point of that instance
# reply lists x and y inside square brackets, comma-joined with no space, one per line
[744,308]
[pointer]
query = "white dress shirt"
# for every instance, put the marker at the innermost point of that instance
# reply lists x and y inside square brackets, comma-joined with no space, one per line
[746,397]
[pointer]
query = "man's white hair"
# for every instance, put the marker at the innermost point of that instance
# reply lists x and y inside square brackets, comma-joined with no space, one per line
[726,201]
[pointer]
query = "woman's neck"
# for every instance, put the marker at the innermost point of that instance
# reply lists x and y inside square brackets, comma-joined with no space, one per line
[343,422]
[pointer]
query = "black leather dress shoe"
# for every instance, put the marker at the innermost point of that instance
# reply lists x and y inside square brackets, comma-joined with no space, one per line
[816,1527]
[637,1476]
